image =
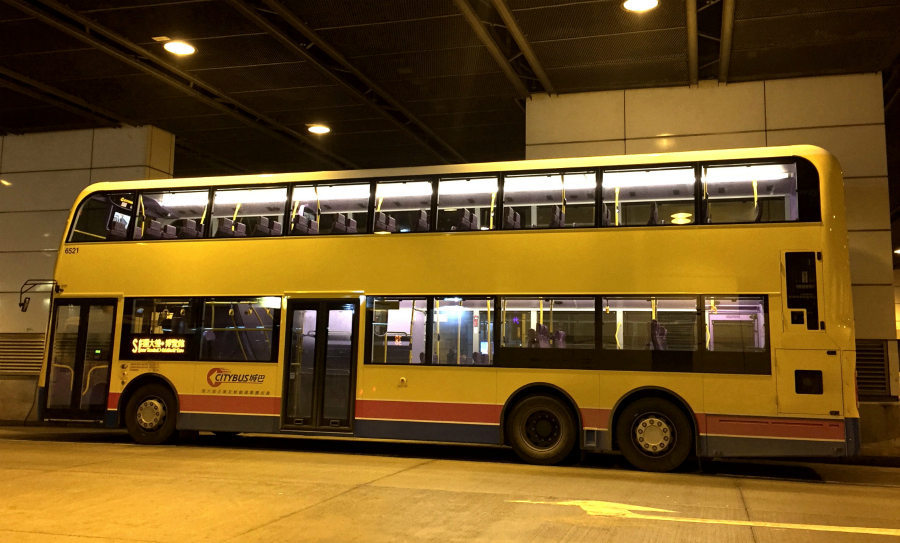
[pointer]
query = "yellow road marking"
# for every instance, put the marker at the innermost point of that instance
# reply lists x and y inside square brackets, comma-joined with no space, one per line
[622,510]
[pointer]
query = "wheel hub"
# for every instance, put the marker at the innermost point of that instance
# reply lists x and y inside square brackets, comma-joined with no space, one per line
[151,414]
[542,429]
[653,435]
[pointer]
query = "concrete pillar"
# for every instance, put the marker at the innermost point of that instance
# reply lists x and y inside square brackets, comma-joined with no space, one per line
[40,176]
[843,114]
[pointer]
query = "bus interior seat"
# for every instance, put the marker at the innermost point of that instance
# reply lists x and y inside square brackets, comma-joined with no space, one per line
[605,218]
[261,228]
[463,221]
[185,228]
[509,219]
[168,232]
[117,232]
[138,233]
[758,214]
[380,222]
[473,222]
[391,224]
[420,224]
[654,215]
[530,342]
[543,336]
[226,229]
[240,230]
[351,226]
[300,225]
[559,339]
[154,231]
[339,226]
[275,230]
[518,221]
[558,220]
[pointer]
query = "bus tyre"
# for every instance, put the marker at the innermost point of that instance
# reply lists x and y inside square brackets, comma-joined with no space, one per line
[150,415]
[654,435]
[541,430]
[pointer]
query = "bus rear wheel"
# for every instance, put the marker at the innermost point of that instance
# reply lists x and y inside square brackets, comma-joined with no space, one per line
[541,430]
[150,415]
[654,435]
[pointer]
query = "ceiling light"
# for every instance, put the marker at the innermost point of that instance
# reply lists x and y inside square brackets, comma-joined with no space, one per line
[5,183]
[319,129]
[897,251]
[640,5]
[179,48]
[681,218]
[648,178]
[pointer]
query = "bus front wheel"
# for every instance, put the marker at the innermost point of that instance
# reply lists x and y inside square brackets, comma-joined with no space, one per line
[541,430]
[654,435]
[150,415]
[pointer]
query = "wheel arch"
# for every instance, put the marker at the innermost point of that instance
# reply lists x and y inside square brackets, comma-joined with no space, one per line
[652,392]
[137,383]
[541,388]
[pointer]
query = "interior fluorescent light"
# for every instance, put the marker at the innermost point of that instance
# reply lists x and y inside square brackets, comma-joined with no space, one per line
[319,129]
[533,184]
[343,192]
[737,174]
[179,48]
[184,199]
[640,5]
[398,190]
[648,178]
[468,186]
[5,183]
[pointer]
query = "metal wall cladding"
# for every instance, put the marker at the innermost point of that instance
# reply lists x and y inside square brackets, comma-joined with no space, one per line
[559,21]
[335,13]
[229,51]
[322,114]
[509,114]
[29,36]
[65,65]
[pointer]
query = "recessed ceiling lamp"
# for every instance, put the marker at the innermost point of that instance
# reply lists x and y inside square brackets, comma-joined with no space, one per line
[640,5]
[179,48]
[319,129]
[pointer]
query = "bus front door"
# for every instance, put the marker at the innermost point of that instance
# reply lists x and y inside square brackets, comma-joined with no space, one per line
[80,355]
[320,365]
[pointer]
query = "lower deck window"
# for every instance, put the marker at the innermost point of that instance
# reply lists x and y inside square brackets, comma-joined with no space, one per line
[398,330]
[240,330]
[462,331]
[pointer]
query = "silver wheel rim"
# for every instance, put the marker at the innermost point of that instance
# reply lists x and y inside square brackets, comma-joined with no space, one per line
[151,414]
[653,434]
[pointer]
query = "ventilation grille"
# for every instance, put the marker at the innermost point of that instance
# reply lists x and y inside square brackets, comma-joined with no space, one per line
[21,354]
[872,368]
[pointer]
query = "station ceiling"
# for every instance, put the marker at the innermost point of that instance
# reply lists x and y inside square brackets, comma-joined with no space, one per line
[399,82]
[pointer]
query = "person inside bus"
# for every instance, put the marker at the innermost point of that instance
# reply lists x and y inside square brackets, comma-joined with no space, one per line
[657,336]
[451,356]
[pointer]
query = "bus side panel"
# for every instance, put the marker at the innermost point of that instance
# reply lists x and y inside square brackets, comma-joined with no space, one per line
[232,397]
[428,403]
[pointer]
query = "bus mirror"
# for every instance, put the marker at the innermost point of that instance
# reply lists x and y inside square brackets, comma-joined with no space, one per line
[24,304]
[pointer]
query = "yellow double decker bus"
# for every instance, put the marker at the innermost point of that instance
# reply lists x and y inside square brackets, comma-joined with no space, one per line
[658,305]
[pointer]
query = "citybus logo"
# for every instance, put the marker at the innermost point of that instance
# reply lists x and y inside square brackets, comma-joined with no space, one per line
[217,376]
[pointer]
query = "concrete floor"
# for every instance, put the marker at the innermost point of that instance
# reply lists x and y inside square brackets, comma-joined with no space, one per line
[75,485]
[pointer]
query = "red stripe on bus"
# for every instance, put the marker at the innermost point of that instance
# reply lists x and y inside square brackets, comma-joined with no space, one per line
[251,405]
[595,418]
[428,411]
[112,401]
[773,427]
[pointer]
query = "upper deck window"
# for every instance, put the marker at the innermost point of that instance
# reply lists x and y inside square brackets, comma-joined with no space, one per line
[329,209]
[648,197]
[171,215]
[402,206]
[240,213]
[751,193]
[467,204]
[103,217]
[549,200]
